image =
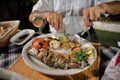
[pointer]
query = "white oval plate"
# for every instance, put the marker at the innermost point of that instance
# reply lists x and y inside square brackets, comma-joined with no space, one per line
[41,67]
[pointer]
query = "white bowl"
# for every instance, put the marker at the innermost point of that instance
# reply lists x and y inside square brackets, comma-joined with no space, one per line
[21,37]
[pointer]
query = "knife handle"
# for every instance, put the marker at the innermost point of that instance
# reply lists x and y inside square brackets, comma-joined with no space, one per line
[93,35]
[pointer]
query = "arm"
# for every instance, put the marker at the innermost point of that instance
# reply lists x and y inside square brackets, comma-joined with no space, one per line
[112,7]
[94,13]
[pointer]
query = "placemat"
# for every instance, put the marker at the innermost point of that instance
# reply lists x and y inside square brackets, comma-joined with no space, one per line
[92,73]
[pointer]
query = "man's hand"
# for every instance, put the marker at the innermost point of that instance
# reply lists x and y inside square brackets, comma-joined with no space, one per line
[94,13]
[53,18]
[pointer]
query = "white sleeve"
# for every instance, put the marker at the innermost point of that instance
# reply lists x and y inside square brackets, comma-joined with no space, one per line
[103,1]
[43,5]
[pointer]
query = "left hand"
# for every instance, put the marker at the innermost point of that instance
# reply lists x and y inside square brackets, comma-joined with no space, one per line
[92,14]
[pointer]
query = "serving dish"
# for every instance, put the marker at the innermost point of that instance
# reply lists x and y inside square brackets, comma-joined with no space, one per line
[41,67]
[22,36]
[8,29]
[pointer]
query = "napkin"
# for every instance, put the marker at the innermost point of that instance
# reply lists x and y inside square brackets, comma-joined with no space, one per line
[112,71]
[117,59]
[118,43]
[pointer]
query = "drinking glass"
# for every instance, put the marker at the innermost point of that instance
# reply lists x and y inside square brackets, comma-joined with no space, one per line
[39,22]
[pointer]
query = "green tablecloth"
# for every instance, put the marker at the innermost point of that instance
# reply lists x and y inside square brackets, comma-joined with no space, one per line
[108,38]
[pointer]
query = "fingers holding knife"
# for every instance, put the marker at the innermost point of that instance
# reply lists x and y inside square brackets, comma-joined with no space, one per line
[92,14]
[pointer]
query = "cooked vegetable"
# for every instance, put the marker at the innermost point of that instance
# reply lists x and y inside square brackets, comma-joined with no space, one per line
[54,44]
[82,56]
[39,43]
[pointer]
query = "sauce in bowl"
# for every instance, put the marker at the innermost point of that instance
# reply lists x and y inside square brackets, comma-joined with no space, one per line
[21,38]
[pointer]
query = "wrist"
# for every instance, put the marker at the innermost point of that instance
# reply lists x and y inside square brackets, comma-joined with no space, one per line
[111,7]
[104,7]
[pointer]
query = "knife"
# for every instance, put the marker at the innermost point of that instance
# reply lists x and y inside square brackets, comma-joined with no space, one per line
[93,35]
[84,33]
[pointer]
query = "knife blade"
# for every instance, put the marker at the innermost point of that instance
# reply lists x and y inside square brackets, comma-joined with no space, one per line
[84,33]
[93,35]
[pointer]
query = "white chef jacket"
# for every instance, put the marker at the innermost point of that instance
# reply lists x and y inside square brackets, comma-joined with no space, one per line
[71,10]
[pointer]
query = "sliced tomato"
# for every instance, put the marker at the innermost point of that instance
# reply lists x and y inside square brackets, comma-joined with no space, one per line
[38,39]
[39,43]
[45,44]
[36,45]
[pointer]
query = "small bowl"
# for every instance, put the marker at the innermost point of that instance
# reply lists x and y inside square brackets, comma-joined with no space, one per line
[21,37]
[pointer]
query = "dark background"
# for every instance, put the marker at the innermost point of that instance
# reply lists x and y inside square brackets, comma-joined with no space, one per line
[17,10]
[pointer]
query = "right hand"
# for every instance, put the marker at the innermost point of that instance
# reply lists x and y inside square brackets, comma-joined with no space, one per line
[53,18]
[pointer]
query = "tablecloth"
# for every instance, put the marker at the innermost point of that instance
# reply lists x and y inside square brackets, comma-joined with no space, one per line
[11,52]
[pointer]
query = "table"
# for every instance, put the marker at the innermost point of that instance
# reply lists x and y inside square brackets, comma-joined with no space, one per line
[92,73]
